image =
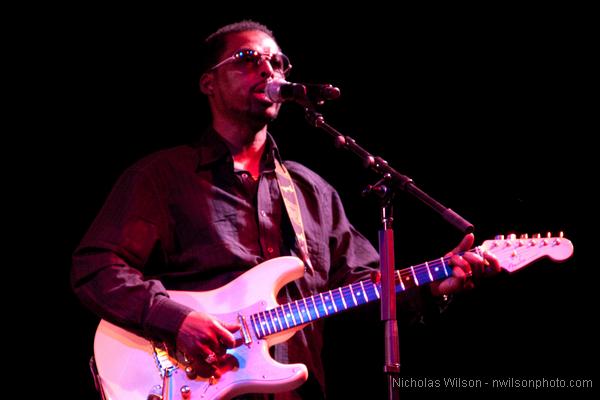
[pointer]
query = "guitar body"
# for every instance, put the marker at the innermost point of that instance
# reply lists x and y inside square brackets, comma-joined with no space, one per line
[127,366]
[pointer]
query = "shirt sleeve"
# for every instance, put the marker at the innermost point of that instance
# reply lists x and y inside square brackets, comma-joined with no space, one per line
[107,265]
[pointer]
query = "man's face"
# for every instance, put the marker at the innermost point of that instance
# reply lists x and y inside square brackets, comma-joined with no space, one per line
[238,84]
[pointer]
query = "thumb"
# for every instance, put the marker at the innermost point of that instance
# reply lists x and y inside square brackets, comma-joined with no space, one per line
[225,333]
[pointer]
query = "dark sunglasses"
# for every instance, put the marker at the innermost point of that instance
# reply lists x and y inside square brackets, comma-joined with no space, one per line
[279,61]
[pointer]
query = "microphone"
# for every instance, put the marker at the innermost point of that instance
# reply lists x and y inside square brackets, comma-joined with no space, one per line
[279,91]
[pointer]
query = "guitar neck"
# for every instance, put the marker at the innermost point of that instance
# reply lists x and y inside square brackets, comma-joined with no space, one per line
[324,304]
[512,254]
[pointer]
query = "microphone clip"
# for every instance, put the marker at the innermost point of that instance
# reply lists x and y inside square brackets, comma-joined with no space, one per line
[306,95]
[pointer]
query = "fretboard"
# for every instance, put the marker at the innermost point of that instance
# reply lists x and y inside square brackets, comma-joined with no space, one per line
[312,308]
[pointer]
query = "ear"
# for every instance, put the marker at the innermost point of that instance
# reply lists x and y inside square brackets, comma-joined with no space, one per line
[206,83]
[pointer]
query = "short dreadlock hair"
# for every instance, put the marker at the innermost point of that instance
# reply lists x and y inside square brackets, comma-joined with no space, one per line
[214,44]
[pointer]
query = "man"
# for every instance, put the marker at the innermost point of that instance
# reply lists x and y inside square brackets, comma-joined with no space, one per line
[196,217]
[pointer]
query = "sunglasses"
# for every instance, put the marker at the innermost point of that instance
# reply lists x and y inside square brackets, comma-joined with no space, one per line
[252,59]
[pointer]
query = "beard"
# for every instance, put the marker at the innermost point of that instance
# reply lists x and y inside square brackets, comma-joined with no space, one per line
[260,116]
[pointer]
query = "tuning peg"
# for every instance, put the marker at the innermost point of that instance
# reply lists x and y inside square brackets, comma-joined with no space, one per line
[499,237]
[536,236]
[523,239]
[558,240]
[511,236]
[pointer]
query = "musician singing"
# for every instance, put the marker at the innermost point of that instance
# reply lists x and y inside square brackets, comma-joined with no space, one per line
[197,216]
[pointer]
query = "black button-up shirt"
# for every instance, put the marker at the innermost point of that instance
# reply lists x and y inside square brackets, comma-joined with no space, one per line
[184,219]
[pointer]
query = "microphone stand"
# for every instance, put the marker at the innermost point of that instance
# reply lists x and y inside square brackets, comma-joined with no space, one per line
[390,181]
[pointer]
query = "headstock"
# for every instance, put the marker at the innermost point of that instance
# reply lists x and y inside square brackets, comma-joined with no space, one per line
[514,253]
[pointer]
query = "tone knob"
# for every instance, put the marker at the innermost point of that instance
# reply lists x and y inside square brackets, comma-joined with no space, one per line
[186,392]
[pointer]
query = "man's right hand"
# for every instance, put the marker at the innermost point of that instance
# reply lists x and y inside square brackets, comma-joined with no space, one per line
[204,340]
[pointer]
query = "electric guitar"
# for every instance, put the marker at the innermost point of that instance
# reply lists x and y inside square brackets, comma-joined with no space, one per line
[130,367]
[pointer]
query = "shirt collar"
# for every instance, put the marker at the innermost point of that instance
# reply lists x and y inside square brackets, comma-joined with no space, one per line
[211,148]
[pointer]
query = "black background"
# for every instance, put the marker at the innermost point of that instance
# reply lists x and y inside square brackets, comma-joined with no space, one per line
[483,107]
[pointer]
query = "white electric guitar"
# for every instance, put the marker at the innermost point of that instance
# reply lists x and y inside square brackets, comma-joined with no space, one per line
[130,367]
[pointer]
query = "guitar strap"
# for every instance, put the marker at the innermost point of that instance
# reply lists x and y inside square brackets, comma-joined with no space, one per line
[290,199]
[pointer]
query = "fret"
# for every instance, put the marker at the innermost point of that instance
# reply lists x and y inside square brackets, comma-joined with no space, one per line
[423,275]
[321,304]
[299,307]
[276,319]
[414,275]
[399,273]
[312,300]
[272,321]
[329,296]
[281,314]
[310,317]
[377,291]
[294,312]
[261,324]
[429,271]
[348,296]
[288,316]
[352,293]
[364,292]
[343,300]
[290,313]
[444,266]
[259,332]
[435,270]
[265,322]
[358,293]
[438,271]
[371,290]
[407,278]
[337,298]
[324,305]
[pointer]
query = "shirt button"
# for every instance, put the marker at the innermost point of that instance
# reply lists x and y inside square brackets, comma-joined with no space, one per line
[269,250]
[263,213]
[244,175]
